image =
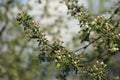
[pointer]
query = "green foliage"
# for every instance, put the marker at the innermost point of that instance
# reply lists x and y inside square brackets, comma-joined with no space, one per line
[15,62]
[55,60]
[67,60]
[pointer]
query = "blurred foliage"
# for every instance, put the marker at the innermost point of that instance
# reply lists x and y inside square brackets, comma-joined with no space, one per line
[16,62]
[66,61]
[27,54]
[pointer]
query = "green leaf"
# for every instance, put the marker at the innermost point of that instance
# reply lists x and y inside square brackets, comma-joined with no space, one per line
[58,65]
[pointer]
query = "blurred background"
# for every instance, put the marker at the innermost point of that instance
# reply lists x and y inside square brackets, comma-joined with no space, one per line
[18,57]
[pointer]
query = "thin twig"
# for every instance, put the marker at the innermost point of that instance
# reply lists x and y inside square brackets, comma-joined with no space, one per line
[3,29]
[35,37]
[84,47]
[6,22]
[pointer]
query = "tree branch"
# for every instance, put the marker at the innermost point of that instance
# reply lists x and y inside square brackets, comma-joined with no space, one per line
[3,29]
[84,47]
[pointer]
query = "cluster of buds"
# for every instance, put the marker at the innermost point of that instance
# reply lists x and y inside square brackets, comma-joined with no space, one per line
[114,49]
[117,35]
[108,27]
[20,12]
[43,34]
[97,66]
[94,22]
[98,69]
[100,17]
[33,22]
[79,14]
